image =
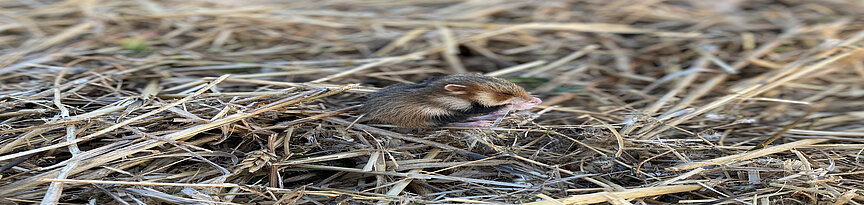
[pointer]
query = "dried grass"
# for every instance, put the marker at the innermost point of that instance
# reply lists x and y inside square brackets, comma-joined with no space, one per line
[224,102]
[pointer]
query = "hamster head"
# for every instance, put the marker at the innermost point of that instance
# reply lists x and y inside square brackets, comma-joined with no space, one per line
[485,90]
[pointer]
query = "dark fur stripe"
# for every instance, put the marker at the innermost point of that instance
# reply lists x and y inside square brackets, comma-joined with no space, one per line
[441,120]
[476,108]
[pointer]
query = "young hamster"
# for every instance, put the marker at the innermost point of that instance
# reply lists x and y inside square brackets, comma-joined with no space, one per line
[447,100]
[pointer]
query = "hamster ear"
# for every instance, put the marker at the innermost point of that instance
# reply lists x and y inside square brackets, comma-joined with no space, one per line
[456,89]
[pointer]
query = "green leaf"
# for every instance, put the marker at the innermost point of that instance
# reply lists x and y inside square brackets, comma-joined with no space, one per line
[135,44]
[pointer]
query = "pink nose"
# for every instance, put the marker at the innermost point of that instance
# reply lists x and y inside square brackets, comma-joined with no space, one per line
[535,101]
[526,105]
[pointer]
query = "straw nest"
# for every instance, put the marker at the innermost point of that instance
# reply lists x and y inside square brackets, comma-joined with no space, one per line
[223,102]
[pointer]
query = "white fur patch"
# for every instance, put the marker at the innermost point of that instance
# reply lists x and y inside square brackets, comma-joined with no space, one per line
[453,102]
[434,111]
[487,99]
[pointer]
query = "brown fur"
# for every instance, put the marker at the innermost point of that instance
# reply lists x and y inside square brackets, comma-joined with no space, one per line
[416,105]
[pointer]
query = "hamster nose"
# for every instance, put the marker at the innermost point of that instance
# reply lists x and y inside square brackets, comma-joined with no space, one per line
[535,101]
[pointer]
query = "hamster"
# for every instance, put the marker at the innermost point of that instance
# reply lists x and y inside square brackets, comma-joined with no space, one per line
[447,101]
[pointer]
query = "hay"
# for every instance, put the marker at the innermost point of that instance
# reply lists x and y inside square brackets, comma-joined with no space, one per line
[224,102]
